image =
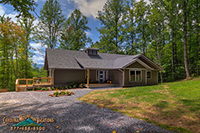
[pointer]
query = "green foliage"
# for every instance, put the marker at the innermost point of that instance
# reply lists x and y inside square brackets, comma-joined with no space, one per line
[39,72]
[14,61]
[73,36]
[24,7]
[51,23]
[56,93]
[111,37]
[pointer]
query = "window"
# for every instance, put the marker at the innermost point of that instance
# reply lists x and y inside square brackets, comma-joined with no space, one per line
[132,75]
[90,52]
[135,75]
[94,52]
[148,74]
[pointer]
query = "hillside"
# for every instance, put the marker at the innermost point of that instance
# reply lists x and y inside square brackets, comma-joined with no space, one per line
[175,106]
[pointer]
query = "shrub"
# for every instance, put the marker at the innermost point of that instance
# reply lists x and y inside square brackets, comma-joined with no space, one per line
[43,89]
[81,85]
[62,93]
[56,93]
[60,87]
[66,87]
[67,92]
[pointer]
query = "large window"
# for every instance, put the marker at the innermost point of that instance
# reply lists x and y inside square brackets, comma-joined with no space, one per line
[148,74]
[135,75]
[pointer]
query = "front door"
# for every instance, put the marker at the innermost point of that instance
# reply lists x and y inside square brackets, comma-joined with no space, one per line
[101,76]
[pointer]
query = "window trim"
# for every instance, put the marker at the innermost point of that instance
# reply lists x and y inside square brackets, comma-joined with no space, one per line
[151,74]
[135,74]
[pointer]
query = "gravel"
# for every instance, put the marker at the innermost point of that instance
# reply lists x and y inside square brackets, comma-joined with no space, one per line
[71,115]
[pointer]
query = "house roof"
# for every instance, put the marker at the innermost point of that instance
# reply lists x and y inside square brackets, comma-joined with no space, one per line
[68,59]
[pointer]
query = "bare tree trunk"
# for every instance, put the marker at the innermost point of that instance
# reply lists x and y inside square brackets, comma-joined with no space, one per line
[185,39]
[198,39]
[132,38]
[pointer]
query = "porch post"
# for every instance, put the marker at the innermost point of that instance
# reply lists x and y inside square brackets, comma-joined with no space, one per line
[124,72]
[88,76]
[53,73]
[146,77]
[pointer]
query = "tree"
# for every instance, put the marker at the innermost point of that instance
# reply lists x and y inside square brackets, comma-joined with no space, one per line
[28,26]
[22,6]
[129,30]
[12,47]
[184,4]
[141,12]
[112,25]
[51,24]
[74,36]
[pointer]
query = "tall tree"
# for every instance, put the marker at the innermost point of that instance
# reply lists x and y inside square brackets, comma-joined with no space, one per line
[12,45]
[74,35]
[129,30]
[27,24]
[22,6]
[111,30]
[51,24]
[141,12]
[185,20]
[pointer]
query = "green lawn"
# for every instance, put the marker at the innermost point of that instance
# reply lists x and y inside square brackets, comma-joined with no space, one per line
[174,106]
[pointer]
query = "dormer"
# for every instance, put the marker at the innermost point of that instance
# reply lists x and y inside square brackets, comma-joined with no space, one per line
[91,51]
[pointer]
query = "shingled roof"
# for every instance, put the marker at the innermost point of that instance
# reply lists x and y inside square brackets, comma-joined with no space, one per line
[68,59]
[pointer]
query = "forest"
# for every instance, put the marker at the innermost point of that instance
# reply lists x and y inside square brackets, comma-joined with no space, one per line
[166,31]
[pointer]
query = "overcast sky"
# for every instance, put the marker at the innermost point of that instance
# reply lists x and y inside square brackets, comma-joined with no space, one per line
[89,8]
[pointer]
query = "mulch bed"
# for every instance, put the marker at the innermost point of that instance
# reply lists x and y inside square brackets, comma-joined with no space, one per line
[4,90]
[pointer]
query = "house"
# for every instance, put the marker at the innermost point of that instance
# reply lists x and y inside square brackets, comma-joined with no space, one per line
[91,67]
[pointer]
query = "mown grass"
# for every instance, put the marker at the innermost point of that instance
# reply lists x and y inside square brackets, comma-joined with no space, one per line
[174,106]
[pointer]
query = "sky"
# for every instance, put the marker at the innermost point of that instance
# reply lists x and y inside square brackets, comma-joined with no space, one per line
[89,8]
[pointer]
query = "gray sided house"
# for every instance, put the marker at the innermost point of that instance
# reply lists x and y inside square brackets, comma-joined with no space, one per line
[91,67]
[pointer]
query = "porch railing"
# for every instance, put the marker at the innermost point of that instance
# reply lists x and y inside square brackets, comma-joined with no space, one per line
[33,83]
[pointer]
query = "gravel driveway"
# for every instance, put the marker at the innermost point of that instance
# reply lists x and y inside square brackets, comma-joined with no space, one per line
[70,114]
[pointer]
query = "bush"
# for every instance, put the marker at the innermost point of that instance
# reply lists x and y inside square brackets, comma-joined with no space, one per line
[56,93]
[43,89]
[66,87]
[60,87]
[62,93]
[67,92]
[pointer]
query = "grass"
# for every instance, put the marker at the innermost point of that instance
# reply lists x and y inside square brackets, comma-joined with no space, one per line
[174,106]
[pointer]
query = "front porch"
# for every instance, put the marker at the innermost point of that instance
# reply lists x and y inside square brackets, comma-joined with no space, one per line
[103,78]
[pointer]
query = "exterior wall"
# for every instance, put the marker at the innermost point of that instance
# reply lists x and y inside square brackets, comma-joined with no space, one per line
[154,78]
[127,81]
[64,76]
[93,76]
[117,77]
[152,81]
[146,62]
[135,65]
